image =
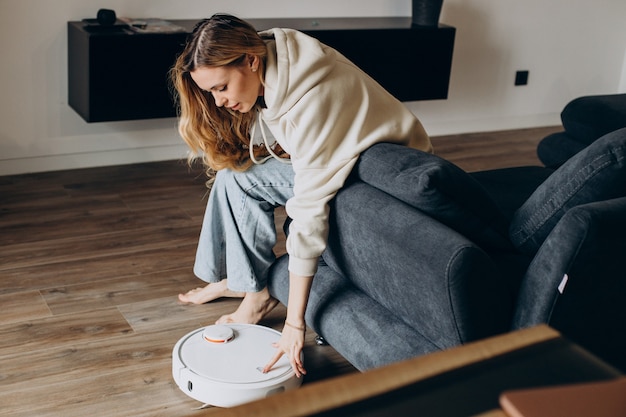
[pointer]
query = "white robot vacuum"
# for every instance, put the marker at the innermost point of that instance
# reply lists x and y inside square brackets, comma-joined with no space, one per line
[221,365]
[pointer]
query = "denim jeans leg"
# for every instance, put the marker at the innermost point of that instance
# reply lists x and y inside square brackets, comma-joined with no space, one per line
[238,231]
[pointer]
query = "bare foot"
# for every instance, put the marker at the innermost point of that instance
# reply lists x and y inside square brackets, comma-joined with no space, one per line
[211,292]
[253,307]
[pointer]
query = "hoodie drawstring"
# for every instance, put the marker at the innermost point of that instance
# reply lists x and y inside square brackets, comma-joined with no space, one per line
[272,154]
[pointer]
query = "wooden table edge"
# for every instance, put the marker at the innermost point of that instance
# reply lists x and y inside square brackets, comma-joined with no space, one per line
[337,392]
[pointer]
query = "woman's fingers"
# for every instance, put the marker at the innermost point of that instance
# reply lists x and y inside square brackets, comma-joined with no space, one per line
[273,361]
[296,363]
[294,354]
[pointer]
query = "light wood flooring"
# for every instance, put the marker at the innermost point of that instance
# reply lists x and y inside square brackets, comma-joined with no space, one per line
[91,262]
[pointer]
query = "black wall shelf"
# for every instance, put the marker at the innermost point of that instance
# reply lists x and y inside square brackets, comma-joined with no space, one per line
[117,74]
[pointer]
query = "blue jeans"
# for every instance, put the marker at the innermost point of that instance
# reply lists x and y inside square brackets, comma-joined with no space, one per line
[238,231]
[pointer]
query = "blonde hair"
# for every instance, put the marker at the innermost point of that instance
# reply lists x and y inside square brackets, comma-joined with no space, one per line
[218,135]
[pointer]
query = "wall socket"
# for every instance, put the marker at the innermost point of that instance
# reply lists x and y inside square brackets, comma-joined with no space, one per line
[521,78]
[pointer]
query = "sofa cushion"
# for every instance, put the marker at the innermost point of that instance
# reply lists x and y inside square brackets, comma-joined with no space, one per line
[438,188]
[597,173]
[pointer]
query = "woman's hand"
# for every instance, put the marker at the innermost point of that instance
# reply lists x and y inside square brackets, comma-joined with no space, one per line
[291,341]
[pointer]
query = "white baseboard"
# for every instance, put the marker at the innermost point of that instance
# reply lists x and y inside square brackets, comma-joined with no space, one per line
[92,159]
[455,127]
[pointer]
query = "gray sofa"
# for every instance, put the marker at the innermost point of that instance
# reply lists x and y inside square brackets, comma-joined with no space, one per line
[423,256]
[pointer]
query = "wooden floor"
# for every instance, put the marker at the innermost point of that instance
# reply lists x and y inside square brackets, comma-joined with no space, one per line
[91,262]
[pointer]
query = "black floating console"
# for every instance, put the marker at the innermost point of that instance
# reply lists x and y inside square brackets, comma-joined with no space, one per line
[117,73]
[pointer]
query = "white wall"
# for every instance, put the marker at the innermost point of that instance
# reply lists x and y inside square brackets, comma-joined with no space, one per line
[570,47]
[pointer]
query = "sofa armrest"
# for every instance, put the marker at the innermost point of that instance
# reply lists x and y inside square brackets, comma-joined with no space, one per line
[428,275]
[587,247]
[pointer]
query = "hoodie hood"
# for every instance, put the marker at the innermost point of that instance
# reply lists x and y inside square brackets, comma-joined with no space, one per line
[295,64]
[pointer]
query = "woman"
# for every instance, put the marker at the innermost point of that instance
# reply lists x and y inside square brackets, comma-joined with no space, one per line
[282,120]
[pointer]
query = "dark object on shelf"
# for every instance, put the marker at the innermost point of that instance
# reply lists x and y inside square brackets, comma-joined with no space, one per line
[123,75]
[426,12]
[105,21]
[106,17]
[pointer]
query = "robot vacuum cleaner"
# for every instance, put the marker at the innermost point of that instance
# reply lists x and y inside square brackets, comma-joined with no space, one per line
[221,365]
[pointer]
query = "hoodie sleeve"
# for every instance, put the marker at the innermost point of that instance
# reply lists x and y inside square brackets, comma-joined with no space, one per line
[328,129]
[308,209]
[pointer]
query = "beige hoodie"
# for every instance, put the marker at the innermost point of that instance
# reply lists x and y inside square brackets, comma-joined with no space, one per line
[324,111]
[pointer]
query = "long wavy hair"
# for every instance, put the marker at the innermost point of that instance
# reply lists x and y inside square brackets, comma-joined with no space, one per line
[220,136]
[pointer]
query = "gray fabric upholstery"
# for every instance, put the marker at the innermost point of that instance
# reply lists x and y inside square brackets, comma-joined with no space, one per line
[589,117]
[436,187]
[584,119]
[555,149]
[426,291]
[511,187]
[598,173]
[589,246]
[360,329]
[425,303]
